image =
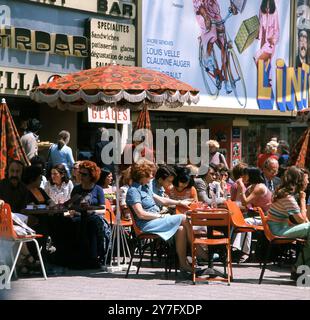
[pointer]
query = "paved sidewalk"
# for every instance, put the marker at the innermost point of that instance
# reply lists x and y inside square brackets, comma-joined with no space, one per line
[151,284]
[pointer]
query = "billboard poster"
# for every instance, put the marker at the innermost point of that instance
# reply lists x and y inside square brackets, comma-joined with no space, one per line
[302,54]
[216,46]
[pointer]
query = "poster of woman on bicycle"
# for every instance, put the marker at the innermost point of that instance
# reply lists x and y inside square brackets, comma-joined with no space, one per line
[215,44]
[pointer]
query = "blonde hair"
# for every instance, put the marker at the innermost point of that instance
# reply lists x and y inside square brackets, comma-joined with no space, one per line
[272,146]
[213,143]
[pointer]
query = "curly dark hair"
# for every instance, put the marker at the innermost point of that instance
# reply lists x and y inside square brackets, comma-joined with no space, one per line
[62,170]
[164,171]
[292,182]
[93,170]
[103,175]
[255,175]
[183,175]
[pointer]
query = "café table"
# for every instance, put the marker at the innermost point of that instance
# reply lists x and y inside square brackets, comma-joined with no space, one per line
[203,207]
[44,211]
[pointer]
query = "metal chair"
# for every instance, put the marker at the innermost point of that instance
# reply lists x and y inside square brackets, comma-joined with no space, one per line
[149,241]
[238,222]
[7,233]
[110,217]
[274,241]
[211,218]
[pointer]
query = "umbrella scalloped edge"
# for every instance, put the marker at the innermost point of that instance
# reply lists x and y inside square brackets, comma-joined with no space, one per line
[79,101]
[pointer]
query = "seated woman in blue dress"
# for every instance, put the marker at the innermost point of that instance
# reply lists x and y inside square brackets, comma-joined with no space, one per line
[148,217]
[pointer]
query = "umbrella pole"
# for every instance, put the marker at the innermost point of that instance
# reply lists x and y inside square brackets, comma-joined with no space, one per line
[118,229]
[118,218]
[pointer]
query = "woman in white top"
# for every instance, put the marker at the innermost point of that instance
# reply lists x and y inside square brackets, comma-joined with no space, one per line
[59,186]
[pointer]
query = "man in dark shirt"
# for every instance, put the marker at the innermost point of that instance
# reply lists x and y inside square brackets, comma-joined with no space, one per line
[12,190]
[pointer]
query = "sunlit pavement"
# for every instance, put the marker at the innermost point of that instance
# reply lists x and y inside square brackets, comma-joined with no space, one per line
[151,284]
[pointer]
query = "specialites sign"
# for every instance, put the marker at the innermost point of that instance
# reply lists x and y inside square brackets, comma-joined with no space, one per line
[111,42]
[121,9]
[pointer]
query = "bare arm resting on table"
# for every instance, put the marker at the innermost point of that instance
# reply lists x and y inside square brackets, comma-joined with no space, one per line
[169,202]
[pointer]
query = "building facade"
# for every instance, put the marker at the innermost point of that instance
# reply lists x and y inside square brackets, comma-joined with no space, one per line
[243,102]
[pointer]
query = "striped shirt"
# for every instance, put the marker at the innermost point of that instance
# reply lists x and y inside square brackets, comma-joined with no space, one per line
[281,209]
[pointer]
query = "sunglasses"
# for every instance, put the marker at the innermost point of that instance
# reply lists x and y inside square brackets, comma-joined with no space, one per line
[84,174]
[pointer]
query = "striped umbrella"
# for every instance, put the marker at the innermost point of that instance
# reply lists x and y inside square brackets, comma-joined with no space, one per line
[10,144]
[119,87]
[144,122]
[300,155]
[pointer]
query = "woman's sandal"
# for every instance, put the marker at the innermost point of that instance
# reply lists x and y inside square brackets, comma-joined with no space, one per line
[244,258]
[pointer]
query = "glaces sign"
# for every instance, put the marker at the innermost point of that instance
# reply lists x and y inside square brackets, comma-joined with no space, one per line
[108,115]
[121,9]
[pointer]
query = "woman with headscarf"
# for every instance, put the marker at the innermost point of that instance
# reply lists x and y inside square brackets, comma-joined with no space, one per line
[60,153]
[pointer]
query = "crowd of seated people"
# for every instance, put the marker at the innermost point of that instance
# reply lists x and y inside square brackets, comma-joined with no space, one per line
[146,190]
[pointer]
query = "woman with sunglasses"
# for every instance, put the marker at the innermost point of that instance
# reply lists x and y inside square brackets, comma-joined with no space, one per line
[87,240]
[90,193]
[75,175]
[224,180]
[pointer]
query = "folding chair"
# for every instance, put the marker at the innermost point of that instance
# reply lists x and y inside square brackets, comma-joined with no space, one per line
[111,219]
[274,241]
[7,233]
[149,239]
[238,222]
[211,218]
